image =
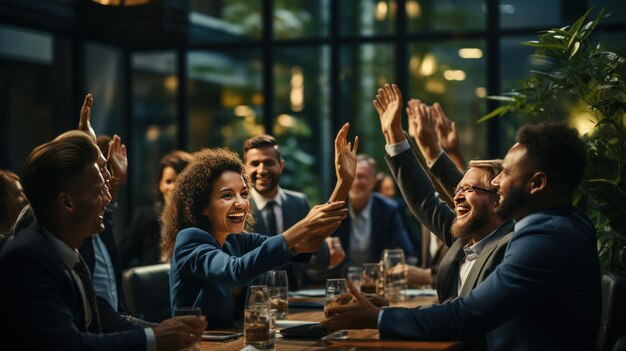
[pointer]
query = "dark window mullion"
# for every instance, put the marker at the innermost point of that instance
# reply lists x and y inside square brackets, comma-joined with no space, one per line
[268,65]
[493,75]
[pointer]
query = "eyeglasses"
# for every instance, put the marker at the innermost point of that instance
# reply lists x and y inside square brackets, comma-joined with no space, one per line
[471,188]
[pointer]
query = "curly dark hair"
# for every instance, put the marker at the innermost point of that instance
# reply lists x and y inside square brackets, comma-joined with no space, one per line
[192,193]
[558,151]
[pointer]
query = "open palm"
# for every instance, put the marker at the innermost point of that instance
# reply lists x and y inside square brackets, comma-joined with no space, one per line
[388,104]
[345,154]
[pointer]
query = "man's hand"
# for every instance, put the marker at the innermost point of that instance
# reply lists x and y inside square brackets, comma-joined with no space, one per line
[388,104]
[179,332]
[416,275]
[84,122]
[337,255]
[421,115]
[345,155]
[448,136]
[118,161]
[361,314]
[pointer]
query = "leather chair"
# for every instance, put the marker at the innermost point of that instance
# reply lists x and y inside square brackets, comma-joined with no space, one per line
[613,321]
[147,291]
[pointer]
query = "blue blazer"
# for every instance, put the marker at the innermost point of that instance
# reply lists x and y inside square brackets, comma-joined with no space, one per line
[545,295]
[388,231]
[42,307]
[203,272]
[295,208]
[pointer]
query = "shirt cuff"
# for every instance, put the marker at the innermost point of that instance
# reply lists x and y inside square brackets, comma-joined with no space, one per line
[396,149]
[150,340]
[380,317]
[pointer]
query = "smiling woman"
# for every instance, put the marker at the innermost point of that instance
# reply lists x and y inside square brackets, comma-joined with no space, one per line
[204,237]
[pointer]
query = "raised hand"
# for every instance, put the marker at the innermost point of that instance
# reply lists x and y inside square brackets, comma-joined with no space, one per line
[345,155]
[118,161]
[448,135]
[84,122]
[388,104]
[425,133]
[309,233]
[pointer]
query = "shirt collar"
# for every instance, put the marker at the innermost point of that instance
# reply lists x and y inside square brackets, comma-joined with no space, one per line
[261,201]
[365,213]
[68,255]
[472,252]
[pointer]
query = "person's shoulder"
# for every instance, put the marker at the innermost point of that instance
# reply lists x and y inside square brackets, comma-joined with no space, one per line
[383,201]
[295,194]
[194,234]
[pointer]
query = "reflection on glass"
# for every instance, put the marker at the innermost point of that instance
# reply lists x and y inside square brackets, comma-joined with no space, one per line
[367,17]
[302,119]
[453,74]
[434,15]
[154,128]
[363,69]
[530,13]
[301,19]
[226,20]
[225,98]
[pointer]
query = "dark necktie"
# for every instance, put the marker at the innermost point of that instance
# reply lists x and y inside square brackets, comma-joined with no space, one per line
[83,273]
[271,218]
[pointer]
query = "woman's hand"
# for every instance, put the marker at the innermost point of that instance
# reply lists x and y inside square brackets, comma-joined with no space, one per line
[309,234]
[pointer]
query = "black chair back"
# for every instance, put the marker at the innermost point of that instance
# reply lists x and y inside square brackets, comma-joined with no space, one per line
[613,322]
[147,291]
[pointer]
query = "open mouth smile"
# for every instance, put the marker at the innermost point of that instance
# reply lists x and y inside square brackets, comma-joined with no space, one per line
[236,217]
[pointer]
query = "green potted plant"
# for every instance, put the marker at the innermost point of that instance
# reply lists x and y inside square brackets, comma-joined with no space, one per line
[585,76]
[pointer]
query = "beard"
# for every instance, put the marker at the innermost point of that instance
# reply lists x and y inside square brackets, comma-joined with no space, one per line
[473,223]
[512,203]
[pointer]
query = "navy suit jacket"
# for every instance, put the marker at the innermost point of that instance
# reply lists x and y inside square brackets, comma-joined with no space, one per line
[295,207]
[388,231]
[42,306]
[545,295]
[419,194]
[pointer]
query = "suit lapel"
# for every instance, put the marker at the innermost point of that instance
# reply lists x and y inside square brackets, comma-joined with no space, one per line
[259,222]
[447,276]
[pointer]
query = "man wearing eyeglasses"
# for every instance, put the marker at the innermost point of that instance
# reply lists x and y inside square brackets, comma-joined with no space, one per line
[476,236]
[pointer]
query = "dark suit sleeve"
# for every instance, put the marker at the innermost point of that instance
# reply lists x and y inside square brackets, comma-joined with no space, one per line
[36,316]
[446,172]
[110,320]
[419,194]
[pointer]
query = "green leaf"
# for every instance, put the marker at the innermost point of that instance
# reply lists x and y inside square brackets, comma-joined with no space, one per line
[500,111]
[610,199]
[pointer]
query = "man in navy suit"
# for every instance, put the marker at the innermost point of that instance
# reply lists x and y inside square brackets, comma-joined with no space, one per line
[48,300]
[374,223]
[277,209]
[545,295]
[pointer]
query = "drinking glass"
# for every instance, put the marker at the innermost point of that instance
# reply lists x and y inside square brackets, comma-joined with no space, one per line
[395,275]
[277,287]
[256,327]
[190,311]
[258,297]
[370,278]
[334,289]
[354,274]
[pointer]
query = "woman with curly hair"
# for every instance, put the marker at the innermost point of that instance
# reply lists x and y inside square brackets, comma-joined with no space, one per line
[204,238]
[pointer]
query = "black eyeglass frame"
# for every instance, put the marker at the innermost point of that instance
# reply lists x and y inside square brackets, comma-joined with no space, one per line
[472,188]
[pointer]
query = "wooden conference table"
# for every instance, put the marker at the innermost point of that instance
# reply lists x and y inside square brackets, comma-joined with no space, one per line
[366,339]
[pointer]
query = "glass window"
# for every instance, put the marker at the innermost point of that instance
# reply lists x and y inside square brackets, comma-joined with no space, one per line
[367,17]
[154,128]
[225,98]
[302,123]
[434,15]
[363,69]
[614,8]
[225,21]
[530,13]
[301,18]
[453,74]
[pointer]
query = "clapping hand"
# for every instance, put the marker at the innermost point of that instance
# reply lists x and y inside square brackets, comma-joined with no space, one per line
[84,122]
[118,161]
[345,155]
[388,104]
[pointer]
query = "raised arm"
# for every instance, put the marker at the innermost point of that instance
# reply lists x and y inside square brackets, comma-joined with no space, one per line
[388,104]
[84,123]
[448,136]
[345,163]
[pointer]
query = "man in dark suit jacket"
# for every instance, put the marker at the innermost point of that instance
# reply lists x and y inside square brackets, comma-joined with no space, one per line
[374,223]
[264,166]
[545,295]
[49,301]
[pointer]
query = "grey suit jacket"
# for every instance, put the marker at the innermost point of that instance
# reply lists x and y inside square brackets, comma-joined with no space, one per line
[419,193]
[295,208]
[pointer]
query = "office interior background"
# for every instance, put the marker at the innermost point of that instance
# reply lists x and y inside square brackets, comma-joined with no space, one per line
[188,74]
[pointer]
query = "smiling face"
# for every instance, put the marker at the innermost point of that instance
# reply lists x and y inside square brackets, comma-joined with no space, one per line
[264,167]
[363,184]
[228,205]
[89,197]
[512,183]
[474,208]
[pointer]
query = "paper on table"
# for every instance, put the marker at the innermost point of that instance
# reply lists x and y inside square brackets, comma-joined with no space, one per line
[308,293]
[284,323]
[420,292]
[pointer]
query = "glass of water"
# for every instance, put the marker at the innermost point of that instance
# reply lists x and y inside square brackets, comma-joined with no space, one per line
[277,287]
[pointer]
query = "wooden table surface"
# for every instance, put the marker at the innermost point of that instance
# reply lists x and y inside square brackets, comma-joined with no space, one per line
[366,339]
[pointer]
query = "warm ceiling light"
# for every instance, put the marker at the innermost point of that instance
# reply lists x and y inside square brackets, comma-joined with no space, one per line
[121,2]
[470,53]
[413,9]
[381,10]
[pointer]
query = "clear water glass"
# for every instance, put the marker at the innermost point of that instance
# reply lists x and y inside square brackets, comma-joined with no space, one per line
[395,274]
[277,289]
